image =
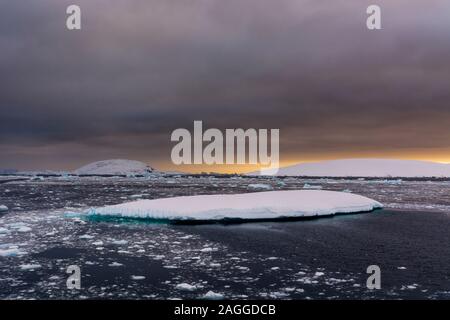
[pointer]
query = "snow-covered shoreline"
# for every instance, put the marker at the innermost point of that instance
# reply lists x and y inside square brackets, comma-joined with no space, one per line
[259,205]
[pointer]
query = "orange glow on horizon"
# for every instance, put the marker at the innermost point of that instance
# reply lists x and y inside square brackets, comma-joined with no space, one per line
[439,156]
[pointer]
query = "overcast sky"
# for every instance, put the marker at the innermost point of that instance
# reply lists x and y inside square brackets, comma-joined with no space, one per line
[139,69]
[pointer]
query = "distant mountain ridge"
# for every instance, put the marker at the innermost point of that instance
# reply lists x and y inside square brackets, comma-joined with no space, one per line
[367,168]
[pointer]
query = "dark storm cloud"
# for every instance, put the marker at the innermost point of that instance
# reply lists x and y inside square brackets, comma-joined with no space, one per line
[139,69]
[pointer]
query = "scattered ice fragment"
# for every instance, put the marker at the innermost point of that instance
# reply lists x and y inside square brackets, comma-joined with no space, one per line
[211,295]
[137,277]
[24,229]
[30,266]
[86,236]
[318,274]
[115,264]
[3,230]
[275,268]
[12,252]
[120,242]
[3,208]
[260,186]
[185,287]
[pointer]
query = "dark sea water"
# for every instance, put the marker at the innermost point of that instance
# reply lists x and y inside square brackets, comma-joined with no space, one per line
[327,258]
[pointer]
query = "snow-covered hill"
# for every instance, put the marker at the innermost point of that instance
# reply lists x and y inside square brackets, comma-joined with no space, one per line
[367,168]
[115,167]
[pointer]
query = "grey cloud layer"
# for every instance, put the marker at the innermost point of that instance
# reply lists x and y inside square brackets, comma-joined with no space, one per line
[143,68]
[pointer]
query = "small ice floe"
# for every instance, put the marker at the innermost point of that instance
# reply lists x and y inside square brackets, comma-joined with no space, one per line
[275,268]
[410,287]
[398,181]
[318,274]
[137,277]
[401,268]
[115,264]
[3,230]
[309,186]
[120,242]
[211,295]
[278,295]
[3,208]
[242,268]
[30,266]
[185,287]
[257,205]
[260,186]
[86,237]
[138,196]
[11,252]
[98,243]
[24,229]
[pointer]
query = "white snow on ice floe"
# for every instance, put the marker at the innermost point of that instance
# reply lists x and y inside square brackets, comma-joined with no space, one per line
[260,205]
[3,208]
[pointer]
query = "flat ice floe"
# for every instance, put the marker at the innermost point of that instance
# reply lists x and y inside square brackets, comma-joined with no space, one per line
[260,205]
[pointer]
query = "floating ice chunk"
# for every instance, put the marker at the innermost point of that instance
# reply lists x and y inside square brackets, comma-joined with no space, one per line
[3,208]
[260,186]
[24,229]
[137,277]
[86,236]
[211,295]
[318,274]
[3,230]
[30,266]
[308,186]
[12,252]
[275,268]
[120,242]
[259,205]
[185,287]
[115,264]
[97,243]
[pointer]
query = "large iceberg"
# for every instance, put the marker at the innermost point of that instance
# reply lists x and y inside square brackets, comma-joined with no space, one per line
[259,205]
[365,168]
[115,167]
